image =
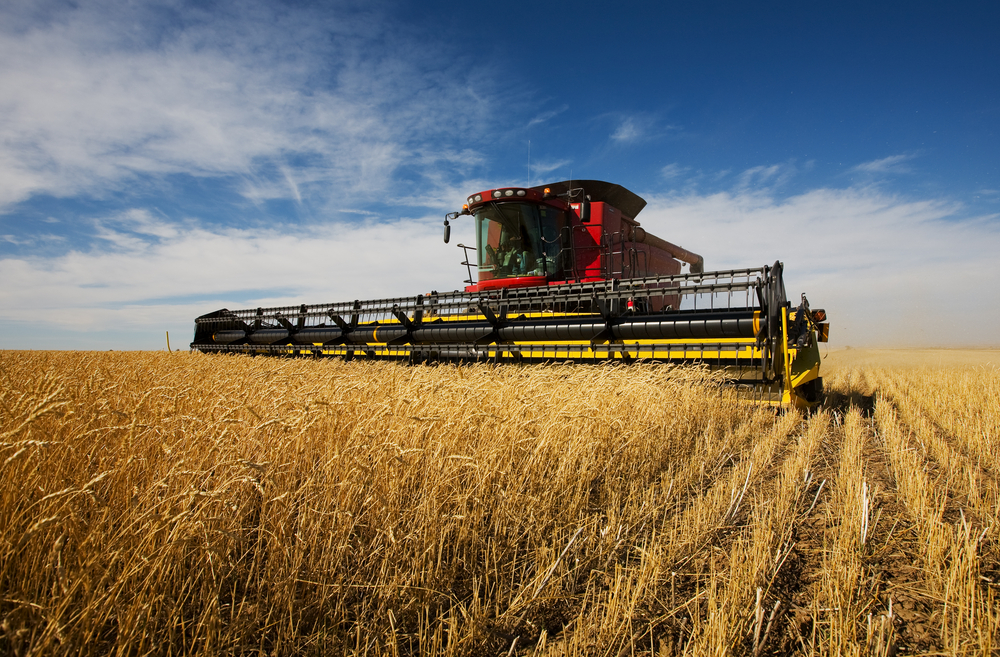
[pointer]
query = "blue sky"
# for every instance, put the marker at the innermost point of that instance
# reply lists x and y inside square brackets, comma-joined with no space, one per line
[162,160]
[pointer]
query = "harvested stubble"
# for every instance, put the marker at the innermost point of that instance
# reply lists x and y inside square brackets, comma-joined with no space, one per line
[179,503]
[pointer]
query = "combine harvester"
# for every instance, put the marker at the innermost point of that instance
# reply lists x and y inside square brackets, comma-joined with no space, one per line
[563,272]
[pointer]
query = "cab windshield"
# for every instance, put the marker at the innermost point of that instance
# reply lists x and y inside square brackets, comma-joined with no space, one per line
[519,239]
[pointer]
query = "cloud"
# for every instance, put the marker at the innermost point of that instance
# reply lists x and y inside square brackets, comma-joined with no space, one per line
[542,167]
[292,185]
[546,116]
[628,130]
[32,241]
[99,95]
[766,176]
[636,127]
[891,271]
[159,275]
[891,164]
[673,171]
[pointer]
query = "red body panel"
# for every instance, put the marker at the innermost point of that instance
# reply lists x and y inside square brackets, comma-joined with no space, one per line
[520,281]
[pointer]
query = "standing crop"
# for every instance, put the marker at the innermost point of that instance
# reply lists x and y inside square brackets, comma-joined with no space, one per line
[181,503]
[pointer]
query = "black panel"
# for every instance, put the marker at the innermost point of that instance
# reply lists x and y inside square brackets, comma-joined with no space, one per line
[628,202]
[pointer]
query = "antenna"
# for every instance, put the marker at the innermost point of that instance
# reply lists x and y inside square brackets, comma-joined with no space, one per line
[528,183]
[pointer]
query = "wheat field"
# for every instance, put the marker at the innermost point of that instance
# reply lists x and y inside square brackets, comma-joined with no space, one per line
[168,504]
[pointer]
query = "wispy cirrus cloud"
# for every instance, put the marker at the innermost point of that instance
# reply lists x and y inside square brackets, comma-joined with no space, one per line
[637,127]
[674,171]
[628,130]
[891,164]
[542,167]
[100,94]
[546,116]
[768,176]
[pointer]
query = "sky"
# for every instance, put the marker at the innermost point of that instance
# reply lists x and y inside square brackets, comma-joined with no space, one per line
[162,160]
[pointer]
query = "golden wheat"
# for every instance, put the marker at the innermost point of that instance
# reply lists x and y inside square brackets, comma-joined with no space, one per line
[157,503]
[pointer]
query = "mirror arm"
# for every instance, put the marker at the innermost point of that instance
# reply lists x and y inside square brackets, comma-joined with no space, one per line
[452,216]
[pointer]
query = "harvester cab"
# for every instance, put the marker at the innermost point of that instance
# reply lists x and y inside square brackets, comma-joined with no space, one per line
[563,272]
[565,232]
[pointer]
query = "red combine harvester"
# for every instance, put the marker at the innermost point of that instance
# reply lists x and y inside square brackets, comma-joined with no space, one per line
[562,272]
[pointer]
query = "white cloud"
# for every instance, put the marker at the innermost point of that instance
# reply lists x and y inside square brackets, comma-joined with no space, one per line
[766,176]
[98,94]
[292,185]
[891,164]
[546,116]
[674,170]
[33,240]
[542,167]
[628,130]
[143,284]
[889,270]
[640,126]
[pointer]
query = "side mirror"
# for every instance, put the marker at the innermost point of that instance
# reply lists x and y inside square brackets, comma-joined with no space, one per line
[447,226]
[585,210]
